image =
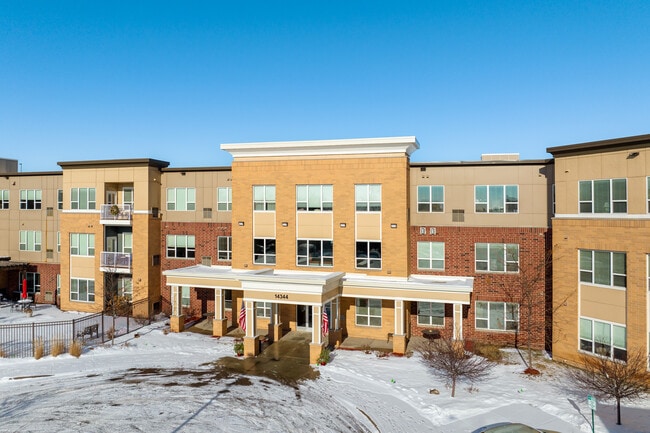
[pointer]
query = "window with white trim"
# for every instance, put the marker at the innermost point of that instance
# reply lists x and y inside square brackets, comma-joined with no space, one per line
[181,199]
[431,313]
[33,282]
[127,196]
[82,244]
[647,194]
[4,199]
[82,290]
[125,287]
[264,251]
[224,248]
[59,199]
[367,197]
[180,246]
[603,196]
[497,257]
[431,255]
[264,197]
[82,198]
[30,199]
[368,312]
[496,198]
[603,338]
[30,240]
[431,198]
[263,309]
[314,198]
[185,296]
[497,316]
[605,268]
[368,255]
[224,198]
[314,252]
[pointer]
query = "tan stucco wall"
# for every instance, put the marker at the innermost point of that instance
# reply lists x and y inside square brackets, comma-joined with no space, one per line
[205,184]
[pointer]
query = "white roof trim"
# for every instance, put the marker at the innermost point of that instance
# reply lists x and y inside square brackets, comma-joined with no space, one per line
[413,282]
[350,146]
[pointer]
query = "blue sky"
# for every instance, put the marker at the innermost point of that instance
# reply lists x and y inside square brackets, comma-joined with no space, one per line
[169,80]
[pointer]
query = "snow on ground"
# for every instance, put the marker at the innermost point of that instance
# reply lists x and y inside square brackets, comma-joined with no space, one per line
[167,382]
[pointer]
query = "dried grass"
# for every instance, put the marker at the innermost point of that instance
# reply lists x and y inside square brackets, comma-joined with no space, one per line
[39,348]
[57,348]
[110,334]
[75,348]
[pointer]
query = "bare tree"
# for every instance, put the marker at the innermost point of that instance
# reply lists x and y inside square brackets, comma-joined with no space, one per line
[115,304]
[450,360]
[613,379]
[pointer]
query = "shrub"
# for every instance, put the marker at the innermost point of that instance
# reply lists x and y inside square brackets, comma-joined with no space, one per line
[489,351]
[238,347]
[324,356]
[58,347]
[75,348]
[2,353]
[39,348]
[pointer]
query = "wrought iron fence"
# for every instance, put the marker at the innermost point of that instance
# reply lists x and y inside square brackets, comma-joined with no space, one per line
[22,339]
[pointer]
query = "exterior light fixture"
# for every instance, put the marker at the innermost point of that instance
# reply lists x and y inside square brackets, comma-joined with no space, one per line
[393,226]
[285,224]
[240,223]
[343,225]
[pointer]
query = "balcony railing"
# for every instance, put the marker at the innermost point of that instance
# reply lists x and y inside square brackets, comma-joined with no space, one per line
[115,261]
[116,212]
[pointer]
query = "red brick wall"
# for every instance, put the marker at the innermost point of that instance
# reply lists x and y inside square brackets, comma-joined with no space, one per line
[489,286]
[48,273]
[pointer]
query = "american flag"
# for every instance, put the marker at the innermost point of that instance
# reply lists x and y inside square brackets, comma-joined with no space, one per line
[325,328]
[242,316]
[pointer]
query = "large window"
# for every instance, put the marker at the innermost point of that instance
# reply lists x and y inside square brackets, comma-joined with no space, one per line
[30,240]
[368,255]
[4,199]
[603,267]
[496,198]
[59,199]
[603,338]
[497,257]
[82,198]
[497,316]
[185,296]
[367,198]
[82,289]
[431,313]
[431,198]
[263,309]
[314,198]
[181,199]
[180,246]
[314,253]
[431,255]
[264,197]
[82,244]
[603,196]
[368,312]
[264,251]
[224,199]
[30,198]
[33,282]
[224,248]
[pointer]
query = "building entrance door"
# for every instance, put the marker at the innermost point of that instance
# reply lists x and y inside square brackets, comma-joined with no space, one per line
[303,317]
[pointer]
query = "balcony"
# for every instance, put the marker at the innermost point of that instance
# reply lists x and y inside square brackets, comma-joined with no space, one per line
[116,214]
[119,263]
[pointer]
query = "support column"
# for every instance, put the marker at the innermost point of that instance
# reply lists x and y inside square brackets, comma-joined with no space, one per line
[458,322]
[177,320]
[336,334]
[220,322]
[251,346]
[399,336]
[275,326]
[316,345]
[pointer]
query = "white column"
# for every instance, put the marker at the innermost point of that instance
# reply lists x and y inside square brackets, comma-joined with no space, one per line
[336,312]
[317,322]
[176,300]
[218,304]
[458,322]
[250,318]
[274,314]
[399,317]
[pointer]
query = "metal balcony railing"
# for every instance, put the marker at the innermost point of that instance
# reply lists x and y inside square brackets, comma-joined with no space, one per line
[116,212]
[115,260]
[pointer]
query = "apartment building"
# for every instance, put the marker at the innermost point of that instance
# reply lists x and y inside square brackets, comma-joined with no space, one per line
[601,238]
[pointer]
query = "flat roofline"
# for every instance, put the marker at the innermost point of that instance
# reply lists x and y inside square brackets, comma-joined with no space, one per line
[31,173]
[601,145]
[114,163]
[479,163]
[195,169]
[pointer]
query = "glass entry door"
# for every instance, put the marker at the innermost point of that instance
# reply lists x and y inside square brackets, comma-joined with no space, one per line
[303,317]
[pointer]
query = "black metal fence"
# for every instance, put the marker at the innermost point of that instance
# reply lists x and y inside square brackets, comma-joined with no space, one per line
[23,340]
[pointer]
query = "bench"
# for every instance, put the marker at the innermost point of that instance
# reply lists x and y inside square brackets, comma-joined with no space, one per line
[89,330]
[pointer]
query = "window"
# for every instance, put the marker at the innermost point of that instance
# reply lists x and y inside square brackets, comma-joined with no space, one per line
[181,199]
[224,199]
[82,244]
[603,196]
[127,196]
[431,255]
[314,253]
[185,296]
[82,198]
[30,240]
[264,251]
[496,198]
[367,198]
[497,257]
[314,198]
[227,298]
[368,312]
[497,316]
[58,242]
[33,282]
[180,246]
[264,197]
[4,199]
[603,338]
[125,287]
[59,199]
[648,194]
[603,267]
[82,289]
[224,248]
[30,198]
[368,255]
[431,313]
[263,309]
[431,198]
